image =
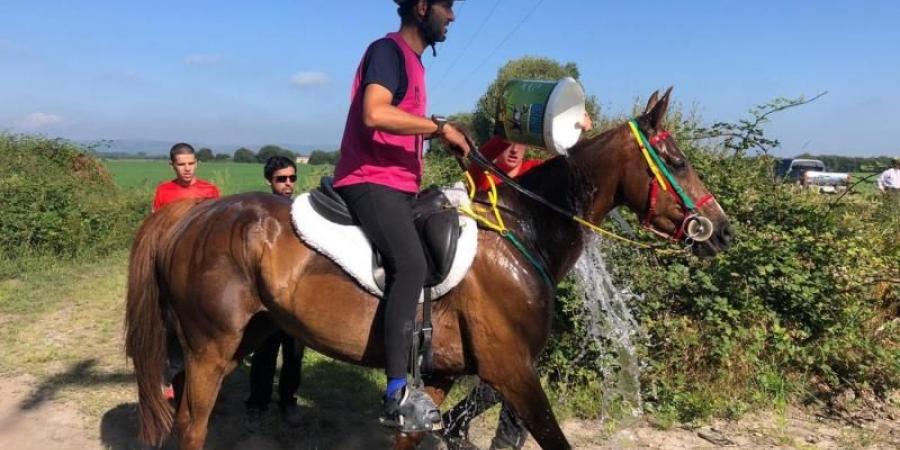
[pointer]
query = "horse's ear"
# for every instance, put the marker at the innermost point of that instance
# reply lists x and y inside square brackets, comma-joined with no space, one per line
[658,112]
[654,97]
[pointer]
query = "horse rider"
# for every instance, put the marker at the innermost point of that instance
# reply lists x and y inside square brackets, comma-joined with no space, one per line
[379,174]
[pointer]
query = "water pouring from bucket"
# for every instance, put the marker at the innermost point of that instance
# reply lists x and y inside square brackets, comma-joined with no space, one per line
[544,114]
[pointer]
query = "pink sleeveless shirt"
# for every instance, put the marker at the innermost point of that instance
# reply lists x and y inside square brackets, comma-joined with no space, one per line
[372,156]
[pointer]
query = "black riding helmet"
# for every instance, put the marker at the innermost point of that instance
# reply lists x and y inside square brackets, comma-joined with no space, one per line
[429,29]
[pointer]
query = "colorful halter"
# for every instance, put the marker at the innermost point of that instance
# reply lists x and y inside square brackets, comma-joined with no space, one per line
[693,226]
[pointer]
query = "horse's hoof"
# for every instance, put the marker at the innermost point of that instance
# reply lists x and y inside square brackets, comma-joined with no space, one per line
[459,443]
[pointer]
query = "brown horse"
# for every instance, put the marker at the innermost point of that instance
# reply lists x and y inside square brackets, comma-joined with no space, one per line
[207,270]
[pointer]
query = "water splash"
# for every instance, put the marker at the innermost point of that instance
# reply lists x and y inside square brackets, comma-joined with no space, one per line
[610,323]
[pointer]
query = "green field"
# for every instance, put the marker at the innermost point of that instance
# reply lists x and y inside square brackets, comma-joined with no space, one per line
[230,177]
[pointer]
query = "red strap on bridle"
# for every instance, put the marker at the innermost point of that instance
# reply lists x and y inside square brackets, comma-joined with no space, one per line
[704,200]
[659,137]
[651,207]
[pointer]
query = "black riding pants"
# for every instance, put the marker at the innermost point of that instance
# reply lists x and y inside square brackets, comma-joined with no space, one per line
[385,216]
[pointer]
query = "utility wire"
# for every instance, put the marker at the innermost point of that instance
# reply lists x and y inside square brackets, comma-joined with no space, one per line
[503,41]
[456,12]
[468,44]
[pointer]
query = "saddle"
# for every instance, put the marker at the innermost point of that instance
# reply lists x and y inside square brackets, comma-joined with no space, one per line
[323,221]
[435,218]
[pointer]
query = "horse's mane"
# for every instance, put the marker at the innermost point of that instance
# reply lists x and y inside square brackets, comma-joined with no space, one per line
[562,181]
[566,175]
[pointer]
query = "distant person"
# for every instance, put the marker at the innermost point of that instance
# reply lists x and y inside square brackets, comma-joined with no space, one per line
[183,160]
[889,180]
[281,175]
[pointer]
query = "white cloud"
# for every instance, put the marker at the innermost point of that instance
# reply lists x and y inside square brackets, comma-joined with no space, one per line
[37,120]
[306,79]
[202,59]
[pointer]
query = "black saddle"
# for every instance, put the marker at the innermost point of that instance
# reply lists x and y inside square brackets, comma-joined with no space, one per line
[435,218]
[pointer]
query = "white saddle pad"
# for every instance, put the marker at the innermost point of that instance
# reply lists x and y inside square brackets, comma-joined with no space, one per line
[348,247]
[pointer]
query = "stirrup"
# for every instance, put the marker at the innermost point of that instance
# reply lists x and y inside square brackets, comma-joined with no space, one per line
[415,412]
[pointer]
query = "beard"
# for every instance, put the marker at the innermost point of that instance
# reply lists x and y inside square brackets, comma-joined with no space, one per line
[433,27]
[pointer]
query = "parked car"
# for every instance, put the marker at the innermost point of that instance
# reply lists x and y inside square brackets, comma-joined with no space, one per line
[812,174]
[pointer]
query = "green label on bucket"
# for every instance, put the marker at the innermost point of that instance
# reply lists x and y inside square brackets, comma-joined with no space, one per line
[522,110]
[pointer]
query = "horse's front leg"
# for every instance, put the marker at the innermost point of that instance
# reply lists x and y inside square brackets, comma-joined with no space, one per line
[520,386]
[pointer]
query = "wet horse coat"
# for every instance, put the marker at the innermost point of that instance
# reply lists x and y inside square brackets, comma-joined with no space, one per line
[206,271]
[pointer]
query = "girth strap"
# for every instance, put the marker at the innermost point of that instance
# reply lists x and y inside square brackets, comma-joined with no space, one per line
[421,355]
[427,331]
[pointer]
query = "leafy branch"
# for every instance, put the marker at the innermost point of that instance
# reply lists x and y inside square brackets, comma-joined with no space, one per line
[747,134]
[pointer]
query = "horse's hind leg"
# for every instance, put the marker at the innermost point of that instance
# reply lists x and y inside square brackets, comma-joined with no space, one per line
[205,369]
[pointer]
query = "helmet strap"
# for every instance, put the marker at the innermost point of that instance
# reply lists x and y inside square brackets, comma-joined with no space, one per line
[425,28]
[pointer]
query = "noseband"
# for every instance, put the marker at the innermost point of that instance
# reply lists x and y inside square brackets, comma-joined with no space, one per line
[693,227]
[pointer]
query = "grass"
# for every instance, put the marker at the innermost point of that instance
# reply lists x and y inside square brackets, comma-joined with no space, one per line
[230,177]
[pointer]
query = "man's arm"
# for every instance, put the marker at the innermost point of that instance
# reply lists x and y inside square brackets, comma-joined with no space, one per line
[380,114]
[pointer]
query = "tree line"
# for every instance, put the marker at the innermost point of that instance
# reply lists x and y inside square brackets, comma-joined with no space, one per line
[851,163]
[241,155]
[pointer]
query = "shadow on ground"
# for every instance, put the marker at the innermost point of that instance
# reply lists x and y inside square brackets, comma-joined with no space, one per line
[340,406]
[81,374]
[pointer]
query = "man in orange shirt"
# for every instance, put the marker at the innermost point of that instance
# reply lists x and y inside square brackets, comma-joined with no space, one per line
[510,158]
[186,184]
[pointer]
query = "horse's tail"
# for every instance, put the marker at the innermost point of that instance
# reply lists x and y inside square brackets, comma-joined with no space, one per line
[145,328]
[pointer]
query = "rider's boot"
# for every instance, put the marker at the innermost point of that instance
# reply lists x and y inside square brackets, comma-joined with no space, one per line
[411,410]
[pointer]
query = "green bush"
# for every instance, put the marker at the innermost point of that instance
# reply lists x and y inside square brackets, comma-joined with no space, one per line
[805,302]
[801,296]
[59,201]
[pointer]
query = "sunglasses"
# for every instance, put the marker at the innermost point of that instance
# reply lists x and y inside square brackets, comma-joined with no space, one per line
[284,178]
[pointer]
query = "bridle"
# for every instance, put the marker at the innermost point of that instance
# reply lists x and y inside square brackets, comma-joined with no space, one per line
[693,227]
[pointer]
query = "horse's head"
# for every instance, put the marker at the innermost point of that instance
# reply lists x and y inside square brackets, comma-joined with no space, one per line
[676,206]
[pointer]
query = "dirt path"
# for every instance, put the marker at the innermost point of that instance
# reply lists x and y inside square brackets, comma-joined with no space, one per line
[28,421]
[34,418]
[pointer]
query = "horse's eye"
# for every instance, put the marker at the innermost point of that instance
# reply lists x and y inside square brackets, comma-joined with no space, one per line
[678,164]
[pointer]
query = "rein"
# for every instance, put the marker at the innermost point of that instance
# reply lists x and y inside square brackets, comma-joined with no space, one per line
[476,157]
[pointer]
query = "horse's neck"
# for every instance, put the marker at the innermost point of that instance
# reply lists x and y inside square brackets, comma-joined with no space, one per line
[555,238]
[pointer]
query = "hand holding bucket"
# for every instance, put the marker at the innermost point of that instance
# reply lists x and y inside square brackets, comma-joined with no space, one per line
[545,114]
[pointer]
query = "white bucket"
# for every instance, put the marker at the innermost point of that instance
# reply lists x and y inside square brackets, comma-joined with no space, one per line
[544,114]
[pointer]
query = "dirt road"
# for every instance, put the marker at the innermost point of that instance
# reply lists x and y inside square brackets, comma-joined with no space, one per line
[36,418]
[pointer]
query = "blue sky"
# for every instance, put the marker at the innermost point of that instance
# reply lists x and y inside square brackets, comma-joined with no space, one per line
[252,73]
